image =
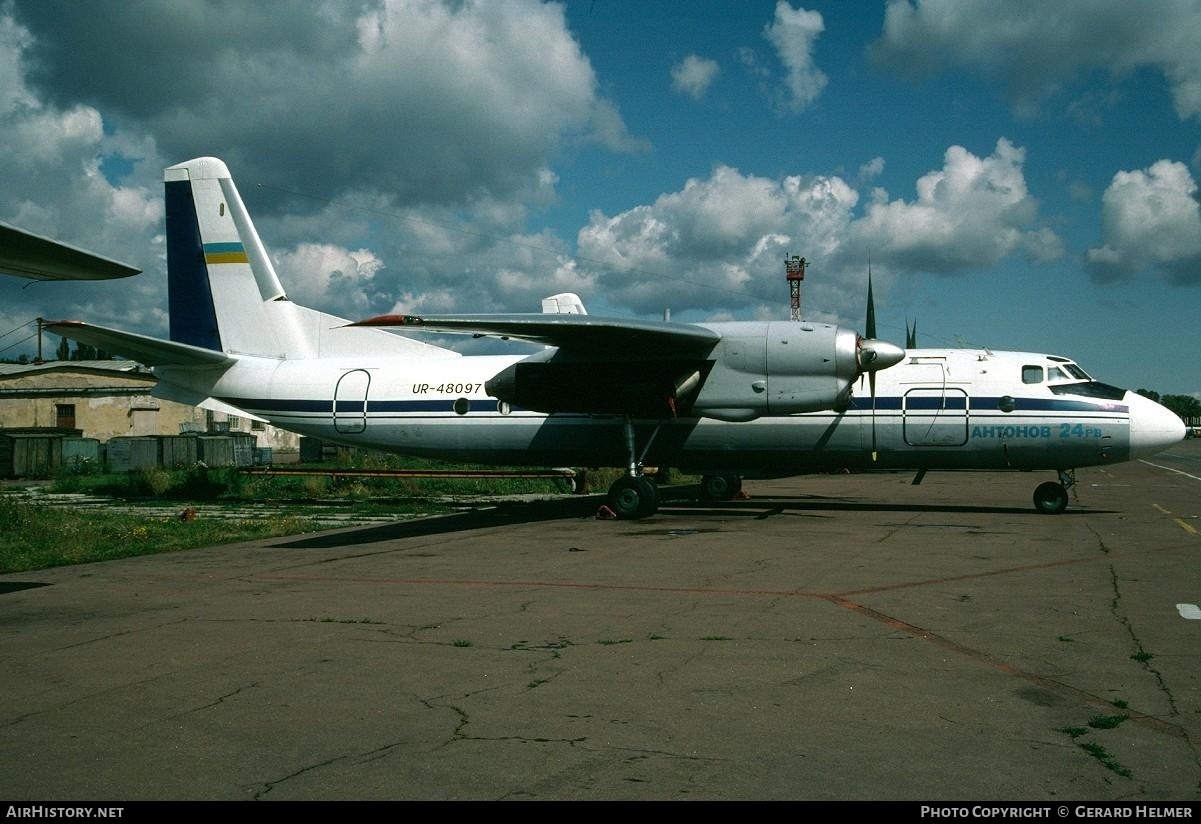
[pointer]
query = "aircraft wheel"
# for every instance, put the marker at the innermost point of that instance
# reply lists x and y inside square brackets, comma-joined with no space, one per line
[720,487]
[1050,498]
[632,498]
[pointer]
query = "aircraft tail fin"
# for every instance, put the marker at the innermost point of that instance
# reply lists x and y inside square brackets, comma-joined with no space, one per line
[224,294]
[564,303]
[218,274]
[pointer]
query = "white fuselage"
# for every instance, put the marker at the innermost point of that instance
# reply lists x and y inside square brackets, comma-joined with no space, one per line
[938,409]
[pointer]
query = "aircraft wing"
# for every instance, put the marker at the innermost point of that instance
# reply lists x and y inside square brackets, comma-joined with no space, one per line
[27,255]
[142,348]
[592,333]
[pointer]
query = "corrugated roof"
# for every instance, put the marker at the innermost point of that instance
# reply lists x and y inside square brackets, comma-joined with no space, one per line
[9,369]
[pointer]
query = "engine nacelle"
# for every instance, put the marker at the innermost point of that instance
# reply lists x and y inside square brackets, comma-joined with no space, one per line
[779,368]
[755,369]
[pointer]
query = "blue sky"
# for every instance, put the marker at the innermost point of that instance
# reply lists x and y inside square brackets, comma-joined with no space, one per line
[1022,176]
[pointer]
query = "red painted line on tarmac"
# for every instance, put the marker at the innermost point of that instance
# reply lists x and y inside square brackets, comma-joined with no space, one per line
[948,579]
[773,593]
[1005,667]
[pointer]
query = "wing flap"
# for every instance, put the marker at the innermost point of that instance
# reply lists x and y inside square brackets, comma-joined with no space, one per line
[142,348]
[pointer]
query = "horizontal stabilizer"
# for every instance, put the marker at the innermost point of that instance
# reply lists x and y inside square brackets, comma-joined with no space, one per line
[142,348]
[601,335]
[27,255]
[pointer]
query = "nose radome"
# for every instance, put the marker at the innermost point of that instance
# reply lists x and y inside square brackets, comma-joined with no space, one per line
[1153,427]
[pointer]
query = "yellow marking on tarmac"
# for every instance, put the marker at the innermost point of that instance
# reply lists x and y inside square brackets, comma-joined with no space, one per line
[1187,527]
[1161,509]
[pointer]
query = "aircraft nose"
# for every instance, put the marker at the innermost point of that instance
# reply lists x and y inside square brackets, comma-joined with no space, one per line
[1153,428]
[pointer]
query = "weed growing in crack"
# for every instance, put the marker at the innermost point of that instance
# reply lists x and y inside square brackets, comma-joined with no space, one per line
[1106,722]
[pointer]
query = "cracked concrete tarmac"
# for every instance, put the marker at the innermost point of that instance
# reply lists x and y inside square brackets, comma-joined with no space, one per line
[846,637]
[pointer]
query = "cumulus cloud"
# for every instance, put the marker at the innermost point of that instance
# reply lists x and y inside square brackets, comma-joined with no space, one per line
[967,216]
[693,75]
[793,33]
[53,185]
[401,144]
[337,279]
[871,170]
[1037,48]
[1152,221]
[718,243]
[432,102]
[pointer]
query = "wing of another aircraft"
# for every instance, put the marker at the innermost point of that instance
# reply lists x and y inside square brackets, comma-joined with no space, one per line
[598,334]
[27,255]
[142,348]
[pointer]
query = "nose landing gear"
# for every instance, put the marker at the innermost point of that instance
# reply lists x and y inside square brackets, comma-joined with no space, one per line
[1051,498]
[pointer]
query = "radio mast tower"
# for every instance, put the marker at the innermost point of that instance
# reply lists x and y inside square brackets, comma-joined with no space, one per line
[794,272]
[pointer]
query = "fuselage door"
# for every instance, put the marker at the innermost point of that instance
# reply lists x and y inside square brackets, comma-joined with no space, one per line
[936,416]
[350,402]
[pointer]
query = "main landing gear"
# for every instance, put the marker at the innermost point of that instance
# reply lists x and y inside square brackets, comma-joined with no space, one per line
[635,495]
[1051,498]
[720,487]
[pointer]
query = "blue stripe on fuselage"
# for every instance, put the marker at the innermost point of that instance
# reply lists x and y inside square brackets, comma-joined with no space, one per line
[982,404]
[978,405]
[286,405]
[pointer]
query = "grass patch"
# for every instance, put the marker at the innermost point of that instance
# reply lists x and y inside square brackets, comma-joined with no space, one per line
[1103,755]
[716,638]
[1107,722]
[38,537]
[609,643]
[460,642]
[1142,656]
[203,483]
[1120,704]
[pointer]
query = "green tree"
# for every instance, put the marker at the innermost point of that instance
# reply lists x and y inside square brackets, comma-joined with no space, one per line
[1186,406]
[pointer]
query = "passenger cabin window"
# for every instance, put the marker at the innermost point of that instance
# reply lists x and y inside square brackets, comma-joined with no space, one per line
[1032,374]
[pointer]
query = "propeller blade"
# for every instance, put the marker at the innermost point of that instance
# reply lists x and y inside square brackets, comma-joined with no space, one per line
[869,328]
[871,380]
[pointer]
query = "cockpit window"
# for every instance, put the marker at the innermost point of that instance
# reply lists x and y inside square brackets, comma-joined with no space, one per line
[1090,389]
[1076,372]
[1056,374]
[1032,374]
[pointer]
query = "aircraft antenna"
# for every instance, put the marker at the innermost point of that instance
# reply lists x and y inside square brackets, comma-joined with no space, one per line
[794,273]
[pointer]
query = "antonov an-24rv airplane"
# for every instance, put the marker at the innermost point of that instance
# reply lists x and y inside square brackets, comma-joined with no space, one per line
[723,399]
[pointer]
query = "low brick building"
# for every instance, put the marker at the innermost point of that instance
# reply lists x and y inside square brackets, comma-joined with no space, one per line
[111,398]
